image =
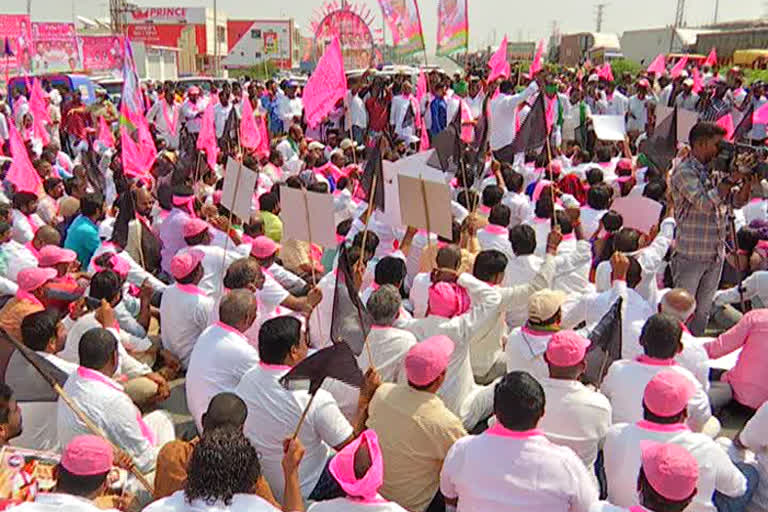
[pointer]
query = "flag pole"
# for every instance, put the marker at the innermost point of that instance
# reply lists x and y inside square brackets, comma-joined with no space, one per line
[426,213]
[95,429]
[369,212]
[309,235]
[303,415]
[551,175]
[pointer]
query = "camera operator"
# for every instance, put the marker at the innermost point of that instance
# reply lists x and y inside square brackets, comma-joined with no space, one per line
[701,210]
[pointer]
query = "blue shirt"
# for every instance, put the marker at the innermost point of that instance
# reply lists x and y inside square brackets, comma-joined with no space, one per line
[83,238]
[270,104]
[439,111]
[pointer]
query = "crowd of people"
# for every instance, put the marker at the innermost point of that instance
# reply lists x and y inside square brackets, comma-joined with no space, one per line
[483,385]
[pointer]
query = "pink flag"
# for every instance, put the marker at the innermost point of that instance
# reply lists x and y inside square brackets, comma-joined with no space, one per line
[131,155]
[698,83]
[761,115]
[498,62]
[138,158]
[424,139]
[249,135]
[326,86]
[536,65]
[467,130]
[659,65]
[206,139]
[263,149]
[679,67]
[21,173]
[421,91]
[726,123]
[37,102]
[711,58]
[146,143]
[606,72]
[105,134]
[421,86]
[551,112]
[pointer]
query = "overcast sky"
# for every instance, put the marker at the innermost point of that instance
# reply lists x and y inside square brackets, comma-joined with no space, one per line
[489,19]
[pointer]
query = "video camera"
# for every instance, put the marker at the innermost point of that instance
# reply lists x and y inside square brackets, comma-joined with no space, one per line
[743,158]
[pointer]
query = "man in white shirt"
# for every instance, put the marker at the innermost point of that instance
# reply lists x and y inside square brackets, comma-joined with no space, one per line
[290,107]
[274,411]
[192,110]
[388,344]
[475,98]
[512,465]
[197,236]
[164,115]
[520,208]
[613,103]
[356,116]
[15,256]
[625,380]
[504,113]
[105,403]
[222,354]
[637,118]
[664,402]
[687,99]
[495,235]
[598,204]
[579,417]
[24,217]
[184,308]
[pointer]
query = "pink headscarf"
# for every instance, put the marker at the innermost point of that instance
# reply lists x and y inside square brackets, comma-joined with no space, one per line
[186,203]
[448,300]
[342,467]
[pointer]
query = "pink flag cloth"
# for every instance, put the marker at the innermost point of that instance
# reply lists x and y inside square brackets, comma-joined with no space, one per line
[659,65]
[726,123]
[37,102]
[39,131]
[551,111]
[263,149]
[206,139]
[138,157]
[679,67]
[606,72]
[249,135]
[536,65]
[326,86]
[498,62]
[421,91]
[21,173]
[698,83]
[105,134]
[131,154]
[467,129]
[761,115]
[421,86]
[424,139]
[711,58]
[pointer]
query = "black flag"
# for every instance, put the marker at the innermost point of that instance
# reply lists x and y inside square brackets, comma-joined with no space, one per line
[350,320]
[606,344]
[447,146]
[29,375]
[744,127]
[337,362]
[374,167]
[661,148]
[532,134]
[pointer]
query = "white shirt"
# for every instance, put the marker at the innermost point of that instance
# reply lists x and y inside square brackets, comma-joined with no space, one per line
[17,257]
[497,238]
[219,359]
[184,314]
[350,505]
[520,208]
[590,220]
[504,114]
[576,280]
[177,502]
[356,114]
[541,227]
[57,502]
[622,463]
[22,230]
[753,437]
[625,382]
[215,264]
[288,108]
[273,413]
[475,104]
[136,273]
[419,294]
[320,319]
[191,114]
[156,116]
[616,105]
[687,101]
[638,113]
[397,116]
[694,357]
[220,116]
[575,416]
[524,351]
[491,473]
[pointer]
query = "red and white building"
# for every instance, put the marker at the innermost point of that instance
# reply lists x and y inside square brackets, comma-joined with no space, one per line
[255,42]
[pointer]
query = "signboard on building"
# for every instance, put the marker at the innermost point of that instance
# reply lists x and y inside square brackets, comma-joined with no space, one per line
[251,42]
[167,15]
[101,53]
[15,27]
[54,48]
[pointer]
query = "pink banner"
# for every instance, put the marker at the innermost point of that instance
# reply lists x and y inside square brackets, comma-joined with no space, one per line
[452,26]
[102,53]
[404,20]
[55,48]
[15,27]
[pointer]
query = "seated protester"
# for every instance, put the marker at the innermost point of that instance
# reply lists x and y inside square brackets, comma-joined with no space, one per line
[105,403]
[15,256]
[518,203]
[171,231]
[265,252]
[45,334]
[625,180]
[197,236]
[274,411]
[598,203]
[595,176]
[752,437]
[359,469]
[746,379]
[185,309]
[390,270]
[512,465]
[680,304]
[31,297]
[542,221]
[224,469]
[10,416]
[417,430]
[24,218]
[667,481]
[525,346]
[576,280]
[496,235]
[135,274]
[136,355]
[649,251]
[665,399]
[604,242]
[269,209]
[626,378]
[69,284]
[578,416]
[450,314]
[590,308]
[492,195]
[48,205]
[222,354]
[449,257]
[388,345]
[81,479]
[243,274]
[134,229]
[225,411]
[83,233]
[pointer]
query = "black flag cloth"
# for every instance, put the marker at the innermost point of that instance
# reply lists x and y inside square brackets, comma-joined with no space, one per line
[532,134]
[350,321]
[661,148]
[374,167]
[744,128]
[606,344]
[337,362]
[447,146]
[21,370]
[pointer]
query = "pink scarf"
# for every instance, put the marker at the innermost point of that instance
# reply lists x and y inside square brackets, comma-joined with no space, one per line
[170,123]
[187,202]
[28,297]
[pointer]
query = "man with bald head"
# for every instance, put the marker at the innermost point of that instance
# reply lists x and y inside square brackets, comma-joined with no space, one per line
[680,304]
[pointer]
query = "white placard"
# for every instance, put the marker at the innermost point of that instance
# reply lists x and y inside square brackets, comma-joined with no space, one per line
[307,216]
[611,128]
[237,193]
[637,212]
[425,197]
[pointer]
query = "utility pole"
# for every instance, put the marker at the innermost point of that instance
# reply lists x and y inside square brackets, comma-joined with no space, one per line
[717,11]
[599,12]
[679,22]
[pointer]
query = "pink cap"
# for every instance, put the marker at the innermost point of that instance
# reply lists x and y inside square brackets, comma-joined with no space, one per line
[555,166]
[119,266]
[87,456]
[31,279]
[567,348]
[667,393]
[644,83]
[428,359]
[51,255]
[342,467]
[193,90]
[263,247]
[185,262]
[194,227]
[448,300]
[670,469]
[625,164]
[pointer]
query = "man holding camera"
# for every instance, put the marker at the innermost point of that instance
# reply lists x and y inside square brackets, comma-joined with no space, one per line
[701,209]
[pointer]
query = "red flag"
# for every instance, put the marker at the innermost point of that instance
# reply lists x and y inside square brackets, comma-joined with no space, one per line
[249,135]
[22,174]
[105,134]
[726,123]
[206,139]
[698,83]
[659,65]
[326,86]
[679,67]
[536,65]
[711,58]
[498,62]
